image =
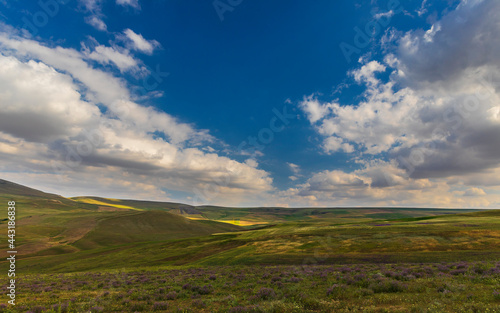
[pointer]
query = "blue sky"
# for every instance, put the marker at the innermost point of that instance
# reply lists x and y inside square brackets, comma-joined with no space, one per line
[162,99]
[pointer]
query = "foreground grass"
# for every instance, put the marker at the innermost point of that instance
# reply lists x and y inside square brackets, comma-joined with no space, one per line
[439,287]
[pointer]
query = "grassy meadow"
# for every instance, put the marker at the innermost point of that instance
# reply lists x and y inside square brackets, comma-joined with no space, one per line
[433,287]
[90,254]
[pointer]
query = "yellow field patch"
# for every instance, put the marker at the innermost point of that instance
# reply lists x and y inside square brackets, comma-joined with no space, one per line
[240,222]
[93,201]
[233,222]
[196,217]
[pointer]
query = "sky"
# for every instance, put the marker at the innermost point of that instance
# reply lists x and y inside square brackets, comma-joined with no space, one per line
[254,103]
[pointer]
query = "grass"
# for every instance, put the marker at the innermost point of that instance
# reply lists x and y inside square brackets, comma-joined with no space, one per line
[437,287]
[147,226]
[121,242]
[109,255]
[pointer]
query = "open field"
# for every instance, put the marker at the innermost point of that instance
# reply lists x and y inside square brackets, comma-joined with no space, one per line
[92,254]
[270,215]
[465,237]
[442,287]
[52,225]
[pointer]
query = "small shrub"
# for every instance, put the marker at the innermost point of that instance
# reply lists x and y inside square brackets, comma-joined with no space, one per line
[157,306]
[335,289]
[266,294]
[496,295]
[171,295]
[388,286]
[198,304]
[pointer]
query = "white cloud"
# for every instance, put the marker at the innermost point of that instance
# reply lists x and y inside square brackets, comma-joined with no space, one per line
[387,14]
[52,128]
[294,168]
[137,42]
[92,5]
[104,88]
[334,144]
[472,192]
[366,74]
[436,117]
[96,22]
[40,104]
[314,109]
[423,8]
[382,183]
[133,3]
[121,59]
[95,17]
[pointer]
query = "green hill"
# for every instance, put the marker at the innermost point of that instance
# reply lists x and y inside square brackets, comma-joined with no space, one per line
[90,233]
[148,226]
[255,216]
[13,189]
[451,238]
[49,224]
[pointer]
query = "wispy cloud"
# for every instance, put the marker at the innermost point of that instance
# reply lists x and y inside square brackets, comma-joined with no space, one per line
[423,8]
[95,17]
[96,22]
[132,3]
[137,42]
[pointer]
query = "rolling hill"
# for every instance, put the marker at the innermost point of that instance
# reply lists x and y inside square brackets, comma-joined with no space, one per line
[50,224]
[255,216]
[58,234]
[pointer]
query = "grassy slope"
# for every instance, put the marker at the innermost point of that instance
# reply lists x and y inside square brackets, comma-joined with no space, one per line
[49,224]
[148,226]
[136,204]
[271,215]
[58,234]
[472,236]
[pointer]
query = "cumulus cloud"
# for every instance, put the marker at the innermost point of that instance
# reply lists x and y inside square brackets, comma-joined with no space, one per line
[436,117]
[104,88]
[38,103]
[463,40]
[471,192]
[52,127]
[334,144]
[314,109]
[385,184]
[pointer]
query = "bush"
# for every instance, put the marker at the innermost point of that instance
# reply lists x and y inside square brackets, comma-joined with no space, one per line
[335,289]
[171,295]
[496,295]
[266,294]
[198,304]
[388,286]
[160,306]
